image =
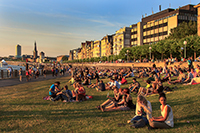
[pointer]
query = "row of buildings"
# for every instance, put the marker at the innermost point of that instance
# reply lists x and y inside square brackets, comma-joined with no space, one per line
[151,29]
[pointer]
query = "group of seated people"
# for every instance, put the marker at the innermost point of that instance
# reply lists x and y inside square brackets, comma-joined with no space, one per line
[65,94]
[143,114]
[122,99]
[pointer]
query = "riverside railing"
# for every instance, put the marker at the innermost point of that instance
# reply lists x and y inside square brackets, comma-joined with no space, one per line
[4,74]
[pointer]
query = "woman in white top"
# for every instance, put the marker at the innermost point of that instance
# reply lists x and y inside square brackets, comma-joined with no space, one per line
[143,112]
[166,120]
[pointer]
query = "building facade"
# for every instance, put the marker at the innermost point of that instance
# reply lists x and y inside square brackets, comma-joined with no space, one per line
[158,26]
[121,39]
[97,49]
[198,18]
[18,51]
[35,52]
[73,54]
[151,29]
[107,45]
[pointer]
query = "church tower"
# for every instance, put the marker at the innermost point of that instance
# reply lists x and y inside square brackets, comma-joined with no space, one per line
[35,52]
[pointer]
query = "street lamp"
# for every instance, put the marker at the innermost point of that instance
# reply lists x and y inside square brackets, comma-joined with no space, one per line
[150,53]
[127,55]
[185,43]
[181,51]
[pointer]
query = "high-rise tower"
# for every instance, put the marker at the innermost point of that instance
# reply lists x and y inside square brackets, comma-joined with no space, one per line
[18,51]
[35,52]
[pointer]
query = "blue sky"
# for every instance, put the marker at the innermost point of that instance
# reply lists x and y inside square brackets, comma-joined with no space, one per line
[61,25]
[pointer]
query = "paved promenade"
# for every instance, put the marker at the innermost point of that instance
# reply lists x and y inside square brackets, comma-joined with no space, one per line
[15,81]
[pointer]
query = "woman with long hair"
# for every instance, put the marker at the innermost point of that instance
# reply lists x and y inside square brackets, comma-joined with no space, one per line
[166,118]
[143,113]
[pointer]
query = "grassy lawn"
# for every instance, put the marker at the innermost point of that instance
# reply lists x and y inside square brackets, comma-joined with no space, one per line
[23,110]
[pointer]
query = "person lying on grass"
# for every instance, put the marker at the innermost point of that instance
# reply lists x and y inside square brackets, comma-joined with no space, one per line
[143,113]
[181,78]
[166,118]
[125,104]
[112,100]
[194,81]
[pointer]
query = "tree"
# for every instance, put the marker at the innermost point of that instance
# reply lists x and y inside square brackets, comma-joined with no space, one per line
[183,30]
[64,58]
[161,48]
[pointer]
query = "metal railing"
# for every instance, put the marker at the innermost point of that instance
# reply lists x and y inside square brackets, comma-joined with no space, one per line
[15,74]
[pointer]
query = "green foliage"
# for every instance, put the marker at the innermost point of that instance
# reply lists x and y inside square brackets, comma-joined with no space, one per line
[184,29]
[64,58]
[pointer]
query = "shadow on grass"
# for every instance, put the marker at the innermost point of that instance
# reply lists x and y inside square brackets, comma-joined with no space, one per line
[190,120]
[56,114]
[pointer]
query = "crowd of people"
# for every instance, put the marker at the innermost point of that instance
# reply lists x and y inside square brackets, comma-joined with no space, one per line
[82,77]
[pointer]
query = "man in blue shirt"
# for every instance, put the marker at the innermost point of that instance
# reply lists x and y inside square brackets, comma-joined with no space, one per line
[52,90]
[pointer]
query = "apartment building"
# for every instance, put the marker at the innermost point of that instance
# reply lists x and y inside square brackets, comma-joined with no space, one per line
[158,26]
[121,39]
[136,34]
[151,29]
[107,45]
[97,49]
[73,54]
[89,49]
[198,18]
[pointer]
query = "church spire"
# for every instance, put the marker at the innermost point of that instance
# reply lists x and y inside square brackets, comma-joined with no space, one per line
[35,47]
[35,52]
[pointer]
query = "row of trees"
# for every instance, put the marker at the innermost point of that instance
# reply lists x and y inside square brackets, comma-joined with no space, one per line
[172,46]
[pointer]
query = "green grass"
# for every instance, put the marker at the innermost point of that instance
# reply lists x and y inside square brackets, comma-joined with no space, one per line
[22,109]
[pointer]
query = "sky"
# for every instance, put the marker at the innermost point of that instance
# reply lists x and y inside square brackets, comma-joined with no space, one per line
[59,26]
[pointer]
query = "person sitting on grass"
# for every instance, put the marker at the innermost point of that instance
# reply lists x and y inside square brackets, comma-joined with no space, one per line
[94,85]
[79,93]
[63,96]
[72,80]
[167,76]
[101,86]
[135,86]
[124,81]
[157,87]
[112,100]
[143,113]
[53,91]
[166,118]
[86,81]
[181,78]
[112,84]
[189,77]
[146,90]
[67,93]
[129,73]
[125,104]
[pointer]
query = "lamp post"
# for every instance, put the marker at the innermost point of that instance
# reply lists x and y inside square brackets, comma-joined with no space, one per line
[149,53]
[127,55]
[181,51]
[185,43]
